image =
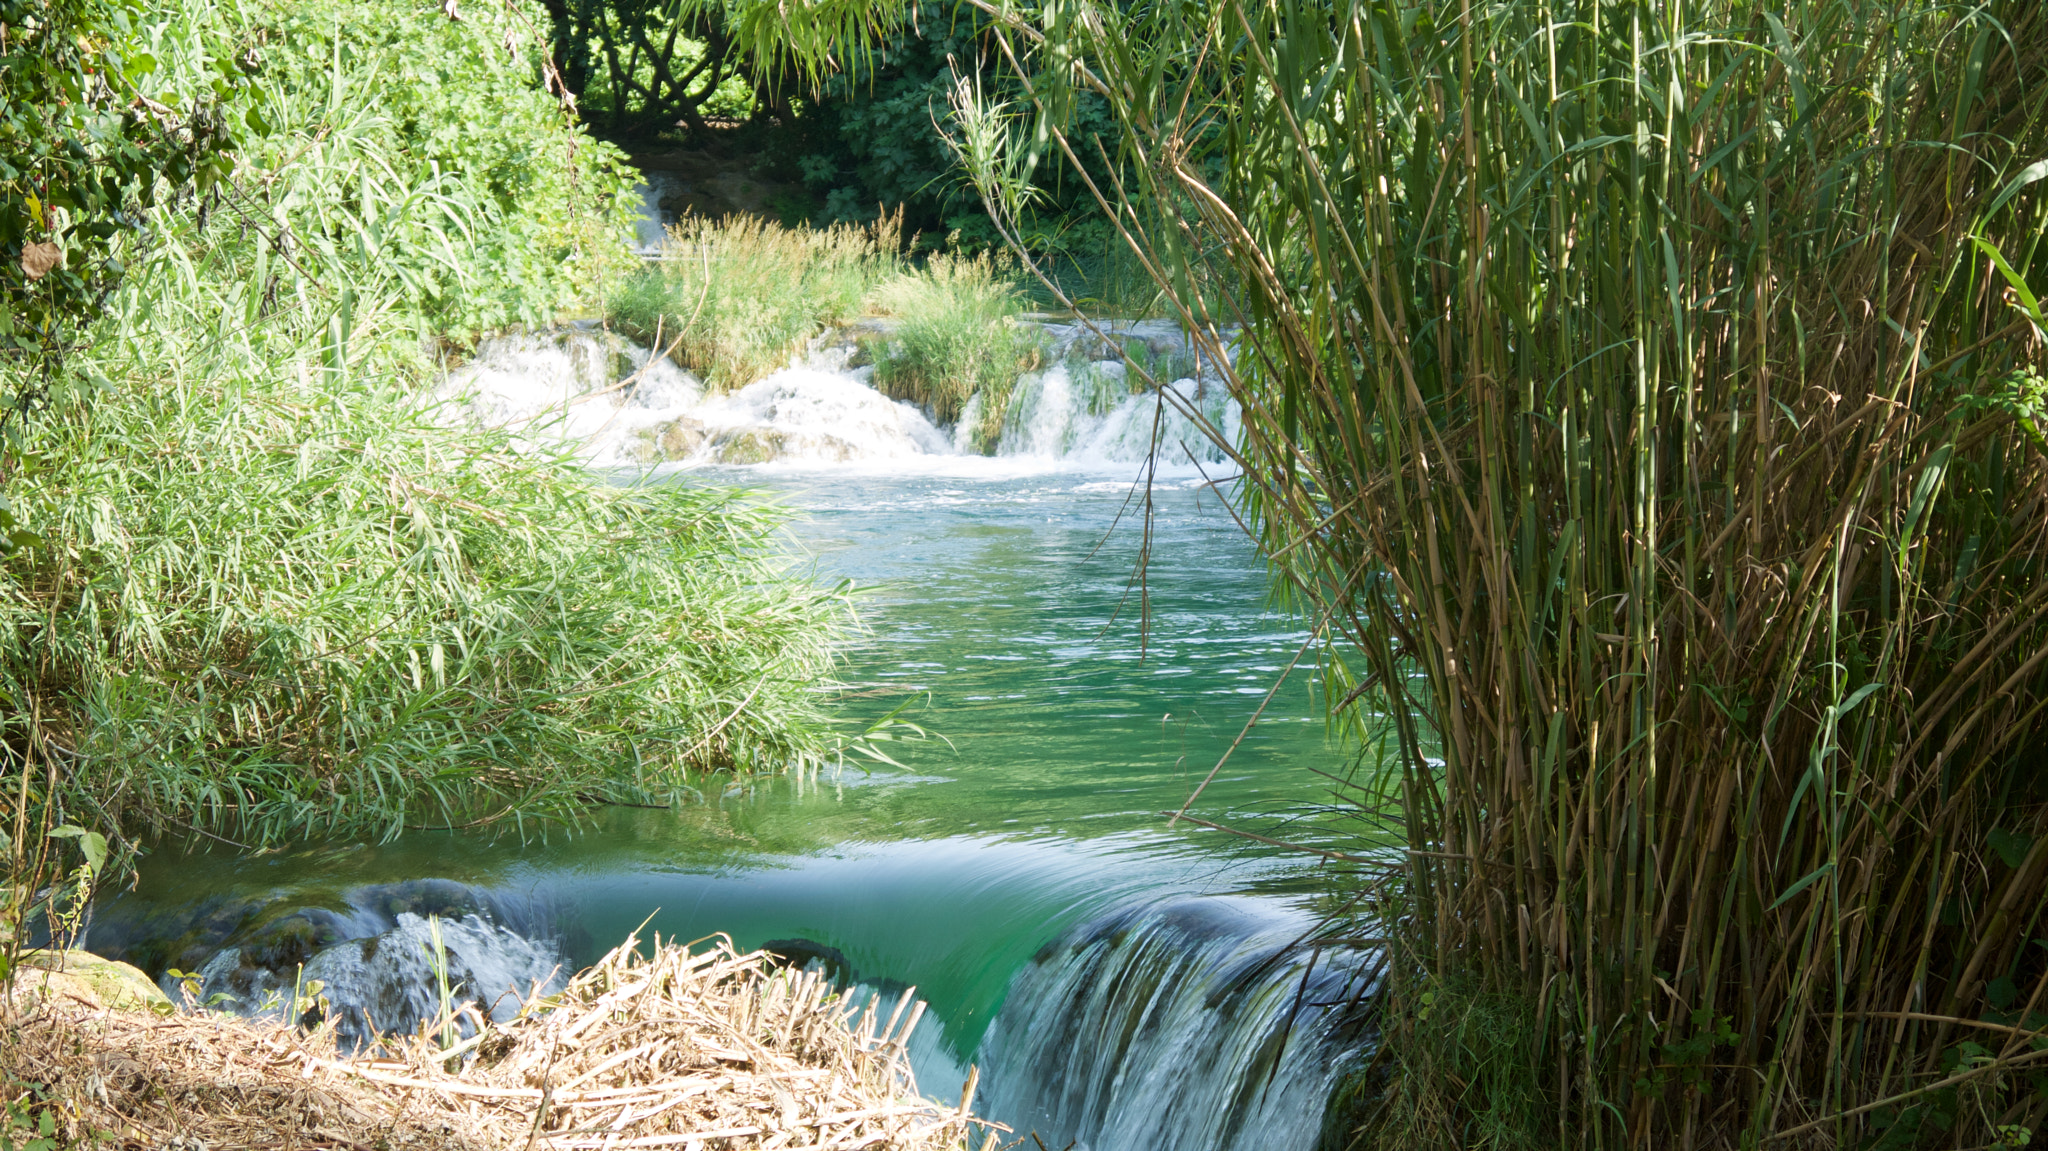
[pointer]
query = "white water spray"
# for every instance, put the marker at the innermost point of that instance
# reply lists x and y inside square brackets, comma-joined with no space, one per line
[390,981]
[600,396]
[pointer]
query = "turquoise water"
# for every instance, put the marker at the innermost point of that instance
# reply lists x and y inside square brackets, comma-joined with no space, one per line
[1004,611]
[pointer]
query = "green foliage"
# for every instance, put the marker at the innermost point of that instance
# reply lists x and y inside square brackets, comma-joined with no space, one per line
[956,338]
[91,142]
[736,299]
[28,1122]
[1462,1059]
[638,67]
[444,168]
[1643,395]
[274,594]
[277,598]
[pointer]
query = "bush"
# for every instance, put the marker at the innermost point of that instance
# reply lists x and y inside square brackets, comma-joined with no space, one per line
[270,594]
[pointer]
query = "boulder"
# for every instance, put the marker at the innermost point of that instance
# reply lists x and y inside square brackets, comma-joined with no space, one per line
[104,983]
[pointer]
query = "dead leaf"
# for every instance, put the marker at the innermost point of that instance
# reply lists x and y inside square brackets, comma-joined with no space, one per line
[38,259]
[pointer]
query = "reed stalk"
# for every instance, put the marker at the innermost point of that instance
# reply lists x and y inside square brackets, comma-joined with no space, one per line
[1649,396]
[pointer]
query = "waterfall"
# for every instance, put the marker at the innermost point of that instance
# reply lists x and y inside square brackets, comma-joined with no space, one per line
[650,223]
[376,963]
[1190,1024]
[614,405]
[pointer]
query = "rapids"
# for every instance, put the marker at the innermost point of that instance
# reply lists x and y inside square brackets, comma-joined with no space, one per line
[1123,986]
[599,395]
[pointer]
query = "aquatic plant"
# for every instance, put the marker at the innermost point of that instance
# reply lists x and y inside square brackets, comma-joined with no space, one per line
[1644,401]
[736,298]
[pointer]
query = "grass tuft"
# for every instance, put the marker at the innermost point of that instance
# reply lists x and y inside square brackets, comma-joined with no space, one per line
[738,298]
[957,337]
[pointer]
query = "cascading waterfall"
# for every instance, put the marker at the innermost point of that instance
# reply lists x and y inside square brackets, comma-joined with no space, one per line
[1193,1024]
[615,405]
[375,964]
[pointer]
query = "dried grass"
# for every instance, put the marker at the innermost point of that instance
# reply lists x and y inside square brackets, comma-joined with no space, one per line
[711,1049]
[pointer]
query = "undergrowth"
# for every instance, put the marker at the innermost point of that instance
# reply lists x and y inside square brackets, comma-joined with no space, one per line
[270,593]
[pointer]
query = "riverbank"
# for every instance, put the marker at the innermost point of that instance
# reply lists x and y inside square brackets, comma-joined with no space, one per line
[703,1048]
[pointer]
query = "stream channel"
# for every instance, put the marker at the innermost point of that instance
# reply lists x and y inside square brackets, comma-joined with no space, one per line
[1123,986]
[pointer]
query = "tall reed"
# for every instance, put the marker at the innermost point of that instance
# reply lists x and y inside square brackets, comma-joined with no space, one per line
[1646,398]
[956,338]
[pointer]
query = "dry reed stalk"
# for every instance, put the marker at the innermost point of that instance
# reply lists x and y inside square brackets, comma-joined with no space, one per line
[707,1049]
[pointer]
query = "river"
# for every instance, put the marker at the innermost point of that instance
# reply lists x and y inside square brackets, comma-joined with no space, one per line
[1123,985]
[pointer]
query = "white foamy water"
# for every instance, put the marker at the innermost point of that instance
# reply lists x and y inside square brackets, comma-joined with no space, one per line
[391,980]
[598,394]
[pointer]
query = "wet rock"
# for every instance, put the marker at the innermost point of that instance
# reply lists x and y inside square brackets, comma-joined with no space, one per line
[672,442]
[750,446]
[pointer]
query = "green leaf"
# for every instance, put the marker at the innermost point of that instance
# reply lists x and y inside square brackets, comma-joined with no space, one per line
[2028,302]
[2012,847]
[1811,878]
[92,843]
[2028,175]
[1856,697]
[2002,992]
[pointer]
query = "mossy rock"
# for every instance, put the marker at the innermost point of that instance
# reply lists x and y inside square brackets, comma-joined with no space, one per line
[752,446]
[103,982]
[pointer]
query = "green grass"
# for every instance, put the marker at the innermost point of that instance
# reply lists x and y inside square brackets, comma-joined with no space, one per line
[957,337]
[738,298]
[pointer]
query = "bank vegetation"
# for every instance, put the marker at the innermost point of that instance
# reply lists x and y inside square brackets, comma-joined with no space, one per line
[261,590]
[1645,401]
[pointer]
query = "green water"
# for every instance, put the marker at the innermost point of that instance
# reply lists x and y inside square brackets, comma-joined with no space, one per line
[1004,608]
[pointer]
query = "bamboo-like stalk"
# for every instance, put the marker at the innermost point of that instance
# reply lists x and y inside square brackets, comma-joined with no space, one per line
[1672,370]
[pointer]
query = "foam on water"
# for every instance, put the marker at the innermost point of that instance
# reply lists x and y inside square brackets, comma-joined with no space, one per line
[599,395]
[389,981]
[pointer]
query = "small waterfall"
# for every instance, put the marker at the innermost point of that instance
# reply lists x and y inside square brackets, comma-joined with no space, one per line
[376,959]
[650,225]
[593,391]
[600,395]
[1194,1024]
[1088,413]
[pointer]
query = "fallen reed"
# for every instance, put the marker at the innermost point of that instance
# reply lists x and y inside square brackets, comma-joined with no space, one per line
[680,1047]
[1646,400]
